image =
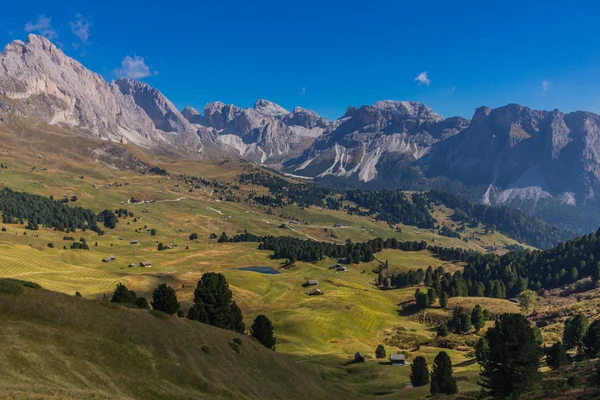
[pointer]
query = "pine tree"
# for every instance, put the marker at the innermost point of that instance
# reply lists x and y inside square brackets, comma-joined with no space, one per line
[513,359]
[482,350]
[142,303]
[444,300]
[122,294]
[591,340]
[380,351]
[431,296]
[575,328]
[460,321]
[164,299]
[477,318]
[237,319]
[556,356]
[213,302]
[421,299]
[442,377]
[262,330]
[419,372]
[596,273]
[443,330]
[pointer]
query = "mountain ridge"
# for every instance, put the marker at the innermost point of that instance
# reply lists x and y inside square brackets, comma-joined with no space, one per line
[513,155]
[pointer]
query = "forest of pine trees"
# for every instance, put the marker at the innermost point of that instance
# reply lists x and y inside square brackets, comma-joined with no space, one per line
[18,207]
[510,274]
[394,207]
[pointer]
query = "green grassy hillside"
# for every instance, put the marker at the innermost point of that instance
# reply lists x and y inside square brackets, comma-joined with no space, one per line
[95,350]
[58,346]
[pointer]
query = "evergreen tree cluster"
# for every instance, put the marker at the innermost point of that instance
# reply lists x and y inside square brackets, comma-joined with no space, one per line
[285,192]
[509,275]
[393,207]
[214,305]
[128,297]
[18,207]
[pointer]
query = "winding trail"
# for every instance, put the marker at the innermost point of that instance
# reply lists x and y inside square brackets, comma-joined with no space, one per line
[157,201]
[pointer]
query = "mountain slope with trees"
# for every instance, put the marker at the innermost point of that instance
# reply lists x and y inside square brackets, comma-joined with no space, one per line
[101,350]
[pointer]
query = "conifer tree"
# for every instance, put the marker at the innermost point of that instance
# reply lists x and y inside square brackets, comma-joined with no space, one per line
[164,299]
[262,330]
[513,353]
[575,329]
[477,318]
[442,377]
[380,351]
[237,319]
[419,372]
[556,356]
[591,340]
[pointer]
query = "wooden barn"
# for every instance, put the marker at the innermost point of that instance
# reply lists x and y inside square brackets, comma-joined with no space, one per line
[398,359]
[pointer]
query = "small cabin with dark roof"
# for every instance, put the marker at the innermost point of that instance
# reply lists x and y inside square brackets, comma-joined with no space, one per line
[397,359]
[146,264]
[315,292]
[311,282]
[339,268]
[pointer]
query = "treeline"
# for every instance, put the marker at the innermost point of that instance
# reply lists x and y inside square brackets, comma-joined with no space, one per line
[295,249]
[18,207]
[510,274]
[513,223]
[286,192]
[392,206]
[21,208]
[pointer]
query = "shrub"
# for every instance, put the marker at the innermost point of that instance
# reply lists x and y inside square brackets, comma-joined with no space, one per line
[10,287]
[158,314]
[235,347]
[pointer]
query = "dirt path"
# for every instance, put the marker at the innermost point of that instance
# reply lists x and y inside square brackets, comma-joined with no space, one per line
[157,201]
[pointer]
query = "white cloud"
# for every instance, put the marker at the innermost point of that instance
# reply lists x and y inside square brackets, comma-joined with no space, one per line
[134,68]
[302,91]
[42,26]
[80,28]
[545,87]
[423,79]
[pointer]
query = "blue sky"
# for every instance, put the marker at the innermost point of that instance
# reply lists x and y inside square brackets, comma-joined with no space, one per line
[327,55]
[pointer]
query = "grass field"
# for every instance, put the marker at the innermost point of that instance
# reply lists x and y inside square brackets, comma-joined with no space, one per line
[57,347]
[352,315]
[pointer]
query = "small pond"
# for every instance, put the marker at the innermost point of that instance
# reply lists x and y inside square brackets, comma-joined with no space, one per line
[259,269]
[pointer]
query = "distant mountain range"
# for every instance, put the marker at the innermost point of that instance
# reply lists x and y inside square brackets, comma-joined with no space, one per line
[540,161]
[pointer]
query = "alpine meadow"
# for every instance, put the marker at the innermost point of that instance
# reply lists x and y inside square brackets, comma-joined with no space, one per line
[149,250]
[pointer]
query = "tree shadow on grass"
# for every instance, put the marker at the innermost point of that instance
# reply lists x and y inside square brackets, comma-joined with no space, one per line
[407,308]
[466,363]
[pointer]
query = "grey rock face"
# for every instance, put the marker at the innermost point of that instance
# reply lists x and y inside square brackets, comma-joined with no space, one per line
[518,153]
[49,87]
[266,133]
[358,141]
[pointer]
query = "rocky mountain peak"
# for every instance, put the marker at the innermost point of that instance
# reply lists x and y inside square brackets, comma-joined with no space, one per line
[163,113]
[269,108]
[189,112]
